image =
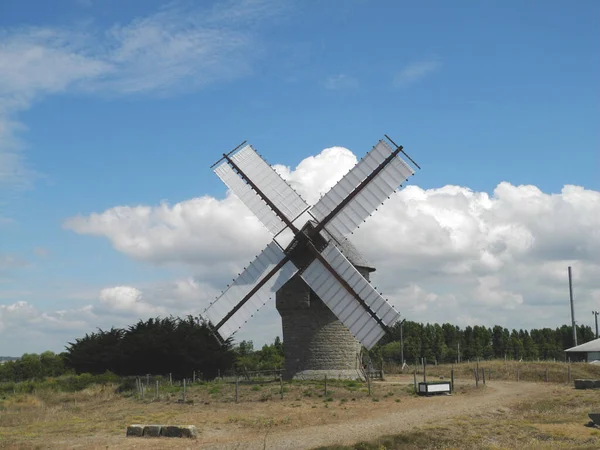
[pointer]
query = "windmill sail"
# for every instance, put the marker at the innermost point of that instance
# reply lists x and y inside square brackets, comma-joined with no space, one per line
[338,213]
[270,186]
[366,200]
[286,199]
[250,198]
[343,304]
[243,284]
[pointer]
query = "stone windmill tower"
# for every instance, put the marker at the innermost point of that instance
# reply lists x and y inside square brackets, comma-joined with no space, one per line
[328,307]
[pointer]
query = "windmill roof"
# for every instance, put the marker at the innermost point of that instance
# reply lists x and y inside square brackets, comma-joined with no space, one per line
[592,346]
[354,256]
[349,250]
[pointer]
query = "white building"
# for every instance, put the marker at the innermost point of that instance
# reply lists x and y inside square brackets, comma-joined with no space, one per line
[590,351]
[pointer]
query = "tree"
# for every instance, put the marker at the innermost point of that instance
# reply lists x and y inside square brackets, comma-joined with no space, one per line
[157,346]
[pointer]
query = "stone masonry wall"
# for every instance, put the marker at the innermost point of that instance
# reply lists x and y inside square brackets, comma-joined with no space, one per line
[315,341]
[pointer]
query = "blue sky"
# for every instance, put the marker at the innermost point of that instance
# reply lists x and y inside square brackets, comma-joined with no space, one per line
[128,103]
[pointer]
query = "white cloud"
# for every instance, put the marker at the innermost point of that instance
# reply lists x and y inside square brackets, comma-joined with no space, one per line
[212,235]
[416,71]
[128,299]
[26,328]
[21,322]
[447,254]
[442,254]
[175,49]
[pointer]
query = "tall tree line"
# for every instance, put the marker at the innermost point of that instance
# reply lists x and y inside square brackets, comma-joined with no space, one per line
[447,342]
[155,346]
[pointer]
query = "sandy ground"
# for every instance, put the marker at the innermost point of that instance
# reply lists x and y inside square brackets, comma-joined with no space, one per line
[304,425]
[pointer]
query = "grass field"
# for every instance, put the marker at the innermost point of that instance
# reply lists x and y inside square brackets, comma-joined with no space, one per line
[502,414]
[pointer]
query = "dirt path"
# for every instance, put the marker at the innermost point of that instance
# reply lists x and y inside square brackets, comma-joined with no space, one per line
[416,412]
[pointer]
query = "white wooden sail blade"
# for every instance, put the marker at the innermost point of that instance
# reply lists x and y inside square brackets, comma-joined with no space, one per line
[252,275]
[366,201]
[343,304]
[351,180]
[249,198]
[376,303]
[270,183]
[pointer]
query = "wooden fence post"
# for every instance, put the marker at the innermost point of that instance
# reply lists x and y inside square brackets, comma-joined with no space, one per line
[476,377]
[325,385]
[452,380]
[157,396]
[281,386]
[171,379]
[425,370]
[236,387]
[184,390]
[569,373]
[518,374]
[415,379]
[483,373]
[369,382]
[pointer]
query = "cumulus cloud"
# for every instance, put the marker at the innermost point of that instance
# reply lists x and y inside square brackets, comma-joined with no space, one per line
[442,254]
[128,299]
[445,254]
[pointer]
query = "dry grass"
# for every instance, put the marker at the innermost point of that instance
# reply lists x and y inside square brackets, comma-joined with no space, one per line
[558,372]
[97,416]
[47,417]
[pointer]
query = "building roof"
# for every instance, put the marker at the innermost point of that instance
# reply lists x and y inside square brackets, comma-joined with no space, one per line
[352,253]
[592,346]
[354,256]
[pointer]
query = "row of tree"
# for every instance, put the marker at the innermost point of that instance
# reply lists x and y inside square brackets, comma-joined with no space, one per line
[156,346]
[33,366]
[180,346]
[449,343]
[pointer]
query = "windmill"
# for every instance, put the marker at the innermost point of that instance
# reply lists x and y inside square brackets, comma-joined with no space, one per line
[315,255]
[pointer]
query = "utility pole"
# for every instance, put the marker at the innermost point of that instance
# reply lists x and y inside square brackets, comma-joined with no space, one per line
[595,313]
[572,309]
[402,340]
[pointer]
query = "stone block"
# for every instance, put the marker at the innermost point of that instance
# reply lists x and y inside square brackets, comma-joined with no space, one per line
[588,384]
[595,417]
[596,384]
[579,383]
[152,430]
[135,430]
[171,431]
[189,431]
